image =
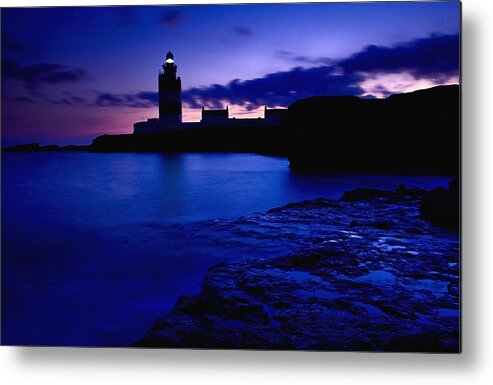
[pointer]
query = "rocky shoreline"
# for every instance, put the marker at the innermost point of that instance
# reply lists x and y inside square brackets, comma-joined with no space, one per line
[375,276]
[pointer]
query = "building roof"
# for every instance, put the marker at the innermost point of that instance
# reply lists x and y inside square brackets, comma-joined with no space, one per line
[215,112]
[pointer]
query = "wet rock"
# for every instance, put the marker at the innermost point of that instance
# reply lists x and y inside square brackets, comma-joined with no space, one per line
[366,273]
[370,194]
[384,225]
[442,206]
[364,194]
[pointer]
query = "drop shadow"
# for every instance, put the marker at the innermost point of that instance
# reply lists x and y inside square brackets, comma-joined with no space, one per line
[470,178]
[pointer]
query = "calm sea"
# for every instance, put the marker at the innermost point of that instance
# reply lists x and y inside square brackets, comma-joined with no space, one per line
[95,247]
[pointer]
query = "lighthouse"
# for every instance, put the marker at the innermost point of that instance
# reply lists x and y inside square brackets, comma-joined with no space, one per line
[169,94]
[170,108]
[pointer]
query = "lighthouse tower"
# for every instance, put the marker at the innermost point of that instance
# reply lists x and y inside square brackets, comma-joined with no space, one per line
[169,95]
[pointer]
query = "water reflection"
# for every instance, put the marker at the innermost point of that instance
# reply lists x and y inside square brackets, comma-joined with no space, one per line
[96,246]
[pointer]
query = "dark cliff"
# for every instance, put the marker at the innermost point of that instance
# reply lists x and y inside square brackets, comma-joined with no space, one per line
[418,132]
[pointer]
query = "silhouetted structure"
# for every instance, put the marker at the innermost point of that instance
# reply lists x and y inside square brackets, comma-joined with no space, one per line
[169,94]
[170,108]
[414,133]
[220,118]
[215,117]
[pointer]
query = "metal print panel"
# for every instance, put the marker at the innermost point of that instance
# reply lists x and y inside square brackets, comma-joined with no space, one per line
[256,176]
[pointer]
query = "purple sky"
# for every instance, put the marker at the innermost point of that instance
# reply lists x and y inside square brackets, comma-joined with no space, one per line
[70,74]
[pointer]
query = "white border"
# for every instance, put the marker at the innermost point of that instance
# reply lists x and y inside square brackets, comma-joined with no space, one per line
[475,366]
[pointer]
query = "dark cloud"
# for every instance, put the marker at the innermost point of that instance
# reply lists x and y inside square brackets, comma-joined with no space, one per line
[432,57]
[275,89]
[16,46]
[108,99]
[125,16]
[318,60]
[171,18]
[242,30]
[436,56]
[36,75]
[68,99]
[151,97]
[143,99]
